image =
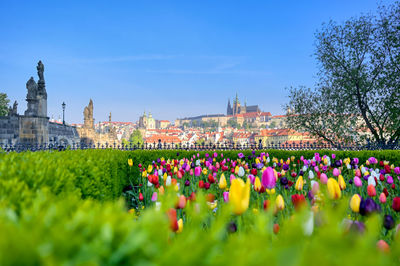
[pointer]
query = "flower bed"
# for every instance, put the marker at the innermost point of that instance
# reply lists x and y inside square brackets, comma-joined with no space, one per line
[66,207]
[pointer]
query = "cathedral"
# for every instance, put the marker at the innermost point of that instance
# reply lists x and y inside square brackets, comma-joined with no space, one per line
[238,109]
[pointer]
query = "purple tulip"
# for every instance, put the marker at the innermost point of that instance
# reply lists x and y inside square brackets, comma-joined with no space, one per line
[252,178]
[397,170]
[389,179]
[240,155]
[187,182]
[268,178]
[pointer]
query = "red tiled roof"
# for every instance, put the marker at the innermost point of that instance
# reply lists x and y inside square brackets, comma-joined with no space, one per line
[163,138]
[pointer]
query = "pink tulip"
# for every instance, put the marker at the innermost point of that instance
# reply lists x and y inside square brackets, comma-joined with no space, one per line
[358,172]
[336,172]
[191,172]
[333,156]
[389,180]
[197,171]
[187,168]
[231,178]
[179,174]
[315,187]
[226,196]
[324,178]
[316,169]
[154,196]
[382,198]
[357,181]
[268,178]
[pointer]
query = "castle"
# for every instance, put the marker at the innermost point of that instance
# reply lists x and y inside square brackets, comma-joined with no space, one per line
[239,109]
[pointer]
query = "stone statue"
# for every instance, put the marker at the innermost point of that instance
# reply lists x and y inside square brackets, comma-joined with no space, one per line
[40,70]
[32,87]
[15,108]
[88,115]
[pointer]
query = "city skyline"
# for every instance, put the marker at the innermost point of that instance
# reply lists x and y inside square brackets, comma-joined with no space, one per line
[174,60]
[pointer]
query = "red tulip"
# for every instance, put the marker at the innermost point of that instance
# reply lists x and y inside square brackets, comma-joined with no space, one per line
[207,185]
[210,197]
[371,191]
[254,171]
[276,228]
[298,201]
[141,198]
[211,178]
[396,204]
[266,204]
[201,184]
[173,222]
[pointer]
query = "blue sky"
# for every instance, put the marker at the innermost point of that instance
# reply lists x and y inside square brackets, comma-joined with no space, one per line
[173,58]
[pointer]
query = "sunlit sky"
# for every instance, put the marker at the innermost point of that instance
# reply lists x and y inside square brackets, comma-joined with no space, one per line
[172,58]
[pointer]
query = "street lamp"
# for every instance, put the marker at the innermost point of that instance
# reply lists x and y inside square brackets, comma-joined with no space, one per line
[63,107]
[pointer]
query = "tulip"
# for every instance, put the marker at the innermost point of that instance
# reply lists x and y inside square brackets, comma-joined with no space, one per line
[357,181]
[130,162]
[371,180]
[299,183]
[389,180]
[197,171]
[231,178]
[222,182]
[268,178]
[371,191]
[315,187]
[226,196]
[383,246]
[355,203]
[181,202]
[266,204]
[336,172]
[154,196]
[168,181]
[310,174]
[239,195]
[141,198]
[388,222]
[172,219]
[180,226]
[201,184]
[333,189]
[241,172]
[342,183]
[279,203]
[324,178]
[257,184]
[275,228]
[382,198]
[396,204]
[252,178]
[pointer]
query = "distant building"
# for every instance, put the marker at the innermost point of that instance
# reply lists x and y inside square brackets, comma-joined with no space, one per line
[236,108]
[147,122]
[162,124]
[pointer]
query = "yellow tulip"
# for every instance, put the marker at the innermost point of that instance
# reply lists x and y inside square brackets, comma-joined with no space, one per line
[236,169]
[222,182]
[333,189]
[130,162]
[180,225]
[205,171]
[257,184]
[150,168]
[239,195]
[355,203]
[165,176]
[144,173]
[342,184]
[299,183]
[257,161]
[279,203]
[270,191]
